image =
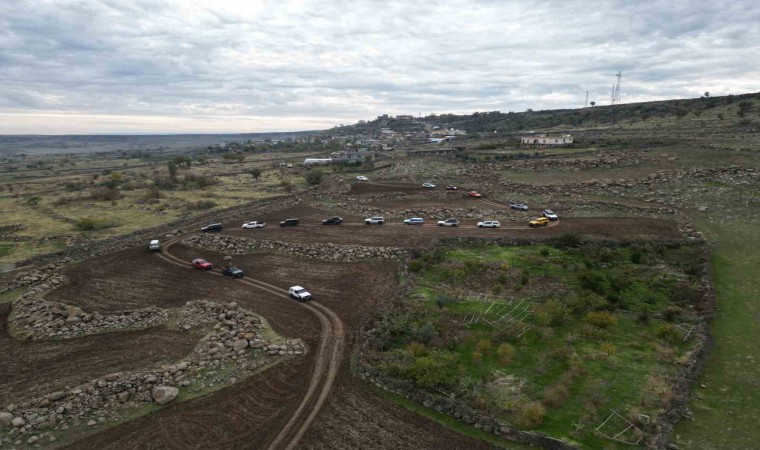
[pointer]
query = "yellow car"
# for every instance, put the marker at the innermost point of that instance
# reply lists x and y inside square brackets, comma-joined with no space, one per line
[538,222]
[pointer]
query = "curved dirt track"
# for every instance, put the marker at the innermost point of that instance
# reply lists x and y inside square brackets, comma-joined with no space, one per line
[329,355]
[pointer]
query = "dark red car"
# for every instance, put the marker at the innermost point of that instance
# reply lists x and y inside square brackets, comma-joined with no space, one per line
[201,264]
[475,194]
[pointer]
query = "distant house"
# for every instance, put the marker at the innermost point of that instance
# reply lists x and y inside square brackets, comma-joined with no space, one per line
[542,140]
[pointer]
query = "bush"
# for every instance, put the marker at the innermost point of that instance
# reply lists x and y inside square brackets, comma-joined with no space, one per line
[313,177]
[667,332]
[551,313]
[672,313]
[90,224]
[415,265]
[568,240]
[483,346]
[590,281]
[106,194]
[201,204]
[505,353]
[426,332]
[554,396]
[434,370]
[531,415]
[601,319]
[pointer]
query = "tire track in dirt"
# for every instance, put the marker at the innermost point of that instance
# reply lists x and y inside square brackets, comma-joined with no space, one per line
[329,356]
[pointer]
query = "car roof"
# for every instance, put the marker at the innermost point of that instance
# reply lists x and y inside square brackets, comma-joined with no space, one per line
[296,287]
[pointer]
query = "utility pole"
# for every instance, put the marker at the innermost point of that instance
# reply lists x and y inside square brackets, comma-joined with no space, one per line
[586,104]
[615,95]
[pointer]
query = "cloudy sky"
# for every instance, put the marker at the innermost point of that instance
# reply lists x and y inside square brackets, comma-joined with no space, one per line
[147,66]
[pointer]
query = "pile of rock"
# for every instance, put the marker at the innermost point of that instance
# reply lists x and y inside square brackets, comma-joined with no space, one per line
[234,245]
[237,337]
[37,275]
[36,318]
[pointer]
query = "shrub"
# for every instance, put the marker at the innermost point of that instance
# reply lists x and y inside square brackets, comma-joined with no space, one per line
[201,204]
[483,346]
[667,332]
[416,348]
[313,177]
[672,313]
[505,352]
[545,252]
[477,358]
[90,224]
[608,348]
[426,332]
[106,194]
[442,300]
[591,281]
[551,313]
[568,240]
[433,370]
[601,319]
[555,395]
[531,415]
[415,265]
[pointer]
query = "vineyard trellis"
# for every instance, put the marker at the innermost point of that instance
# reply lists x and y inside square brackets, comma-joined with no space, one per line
[508,315]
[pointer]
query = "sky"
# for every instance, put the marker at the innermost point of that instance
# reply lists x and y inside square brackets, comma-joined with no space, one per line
[197,66]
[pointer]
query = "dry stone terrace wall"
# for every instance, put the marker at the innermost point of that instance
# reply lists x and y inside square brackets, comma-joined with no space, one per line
[236,343]
[571,162]
[234,245]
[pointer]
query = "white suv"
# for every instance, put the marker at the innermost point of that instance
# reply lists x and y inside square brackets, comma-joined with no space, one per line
[549,214]
[299,293]
[374,220]
[362,178]
[489,224]
[414,221]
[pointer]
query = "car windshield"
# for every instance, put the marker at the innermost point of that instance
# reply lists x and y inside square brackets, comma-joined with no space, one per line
[300,291]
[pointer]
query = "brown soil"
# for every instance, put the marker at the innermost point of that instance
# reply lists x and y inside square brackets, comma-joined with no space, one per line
[35,368]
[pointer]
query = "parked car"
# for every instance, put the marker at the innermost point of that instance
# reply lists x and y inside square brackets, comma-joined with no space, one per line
[299,293]
[155,246]
[254,224]
[290,166]
[449,222]
[520,206]
[538,222]
[489,224]
[202,264]
[362,178]
[377,220]
[428,185]
[414,221]
[289,222]
[475,194]
[549,214]
[451,187]
[233,272]
[212,227]
[332,221]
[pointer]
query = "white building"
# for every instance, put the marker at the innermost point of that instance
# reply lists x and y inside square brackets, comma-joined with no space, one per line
[542,140]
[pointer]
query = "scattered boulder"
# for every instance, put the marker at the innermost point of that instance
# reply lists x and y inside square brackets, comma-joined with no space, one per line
[5,419]
[164,394]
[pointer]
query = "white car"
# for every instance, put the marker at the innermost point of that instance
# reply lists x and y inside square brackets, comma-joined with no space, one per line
[254,224]
[362,178]
[449,222]
[414,221]
[520,206]
[299,293]
[549,214]
[428,185]
[489,224]
[377,220]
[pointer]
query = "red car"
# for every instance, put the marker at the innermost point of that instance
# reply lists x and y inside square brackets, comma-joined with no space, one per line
[475,194]
[201,264]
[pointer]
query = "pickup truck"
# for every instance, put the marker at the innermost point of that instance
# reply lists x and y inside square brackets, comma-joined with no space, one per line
[448,223]
[254,224]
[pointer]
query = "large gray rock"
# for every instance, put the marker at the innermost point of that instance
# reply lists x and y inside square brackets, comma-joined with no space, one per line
[164,394]
[57,395]
[5,419]
[18,422]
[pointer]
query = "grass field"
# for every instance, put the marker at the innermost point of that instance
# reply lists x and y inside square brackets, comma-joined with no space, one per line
[726,408]
[565,336]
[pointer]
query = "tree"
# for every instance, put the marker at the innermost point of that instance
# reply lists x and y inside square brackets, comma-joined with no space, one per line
[592,104]
[172,166]
[313,177]
[707,95]
[255,173]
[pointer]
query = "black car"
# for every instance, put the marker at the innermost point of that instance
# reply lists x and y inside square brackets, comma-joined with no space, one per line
[212,227]
[233,272]
[332,221]
[289,222]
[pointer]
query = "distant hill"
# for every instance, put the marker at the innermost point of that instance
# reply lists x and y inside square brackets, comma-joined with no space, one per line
[108,143]
[729,110]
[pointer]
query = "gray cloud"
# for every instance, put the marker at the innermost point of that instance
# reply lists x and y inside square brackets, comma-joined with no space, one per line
[153,65]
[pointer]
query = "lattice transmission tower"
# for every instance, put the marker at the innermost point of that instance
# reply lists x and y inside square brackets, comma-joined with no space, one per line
[615,95]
